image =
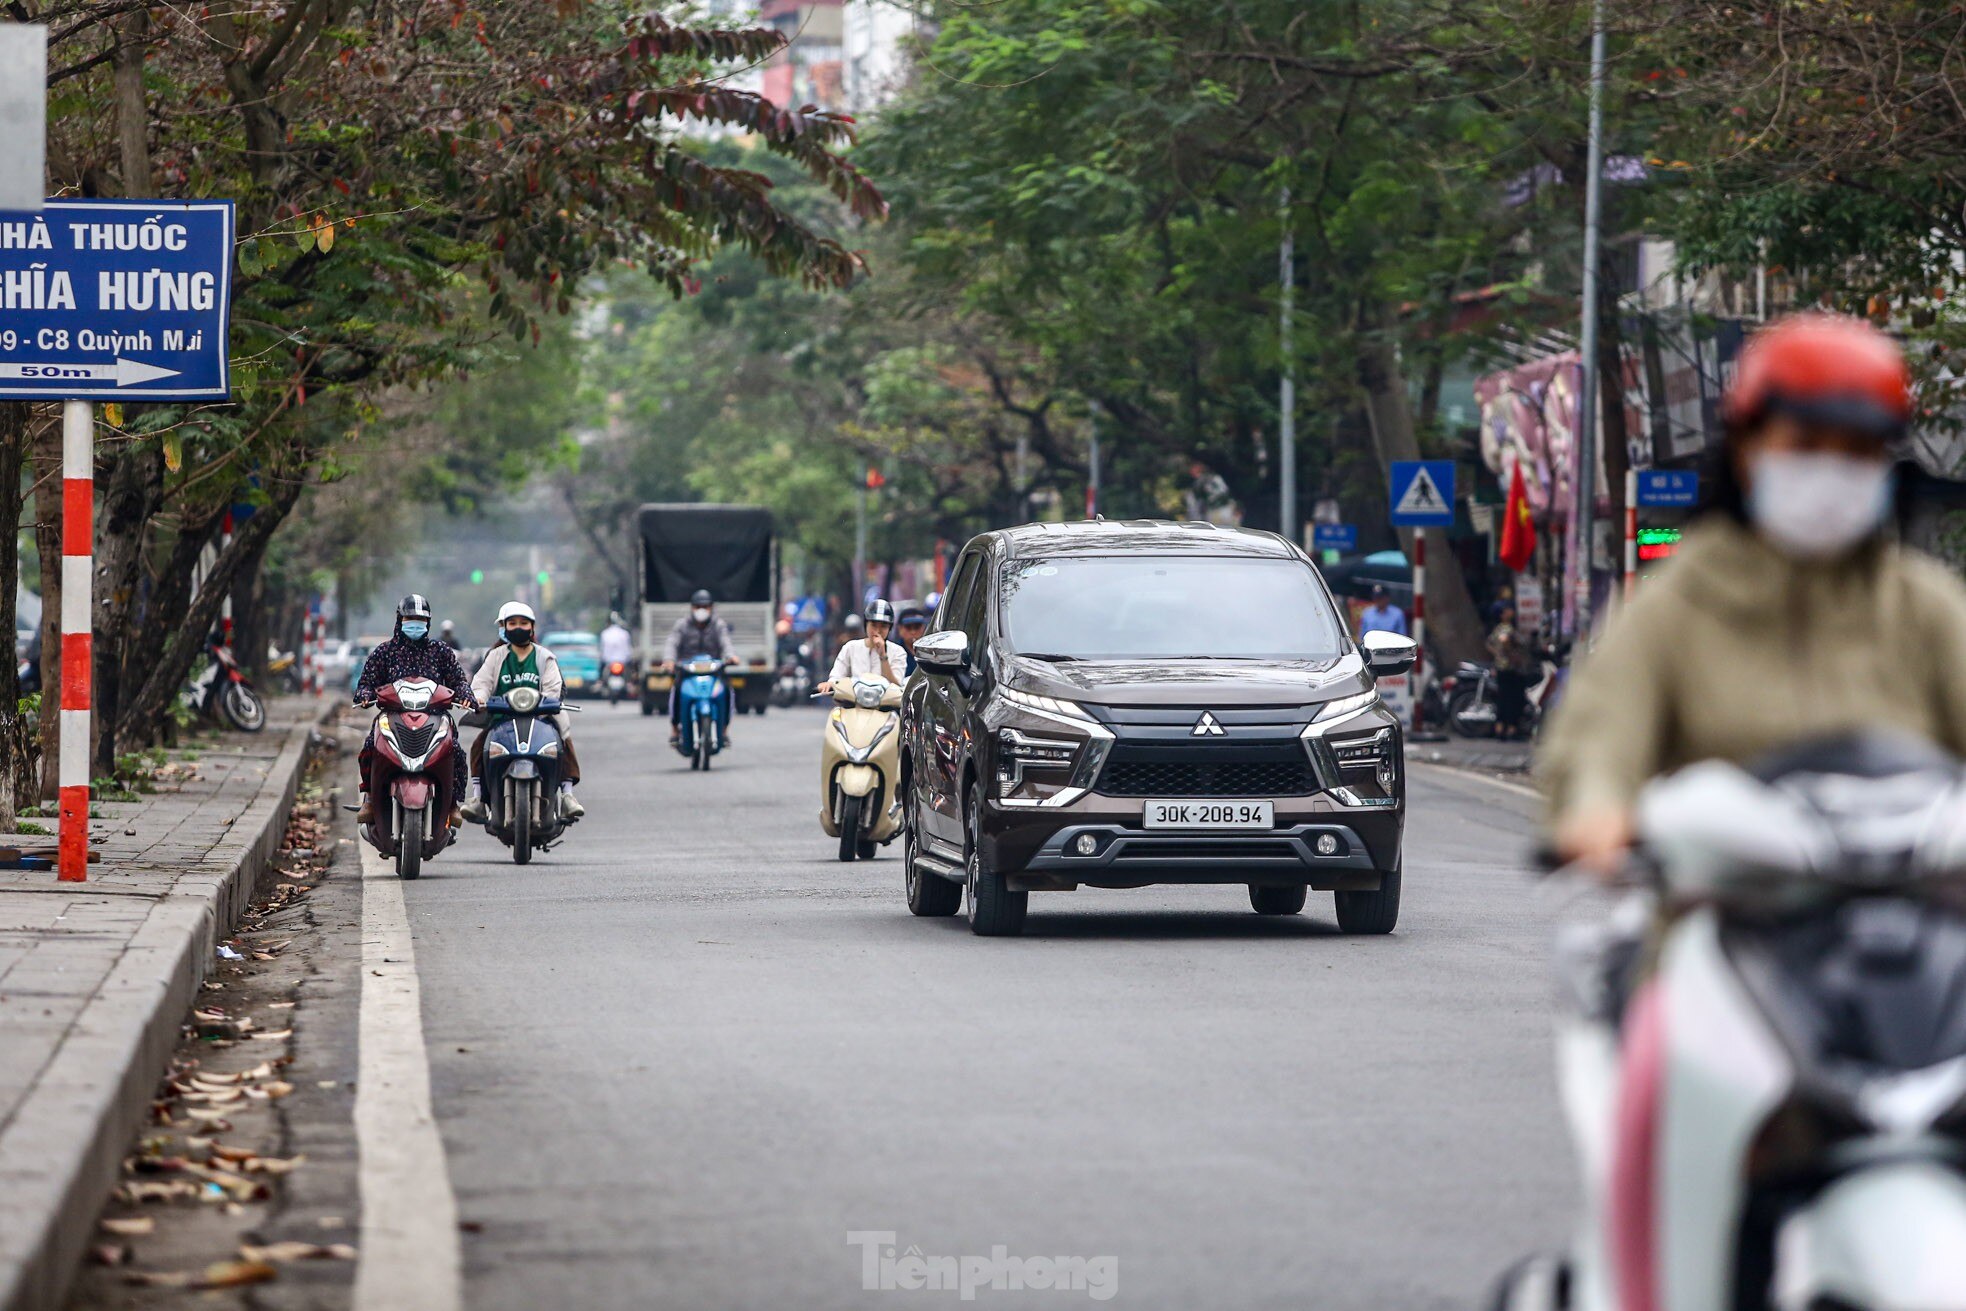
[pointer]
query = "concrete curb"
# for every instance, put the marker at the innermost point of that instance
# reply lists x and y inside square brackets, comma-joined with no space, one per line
[95,1093]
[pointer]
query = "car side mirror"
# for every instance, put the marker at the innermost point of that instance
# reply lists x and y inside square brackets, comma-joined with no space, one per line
[1387,654]
[944,653]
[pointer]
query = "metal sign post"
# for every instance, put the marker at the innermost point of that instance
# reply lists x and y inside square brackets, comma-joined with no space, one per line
[116,299]
[1422,498]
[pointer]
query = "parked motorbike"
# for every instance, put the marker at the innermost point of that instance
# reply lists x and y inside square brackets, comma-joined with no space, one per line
[1471,698]
[415,742]
[618,680]
[860,767]
[522,772]
[283,667]
[1768,1093]
[705,709]
[223,692]
[793,682]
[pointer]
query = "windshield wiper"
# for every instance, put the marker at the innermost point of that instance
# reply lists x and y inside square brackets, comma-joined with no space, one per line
[1052,656]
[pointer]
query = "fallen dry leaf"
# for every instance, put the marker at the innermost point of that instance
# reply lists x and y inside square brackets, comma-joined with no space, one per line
[233,1274]
[274,1164]
[109,1254]
[129,1226]
[297,1251]
[158,1278]
[277,1089]
[274,1036]
[160,1191]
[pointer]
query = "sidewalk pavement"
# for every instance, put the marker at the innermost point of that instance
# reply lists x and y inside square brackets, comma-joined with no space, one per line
[96,977]
[1482,754]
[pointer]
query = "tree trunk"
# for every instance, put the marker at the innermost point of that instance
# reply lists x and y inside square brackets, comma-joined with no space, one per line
[1452,622]
[46,450]
[20,781]
[136,481]
[249,626]
[185,643]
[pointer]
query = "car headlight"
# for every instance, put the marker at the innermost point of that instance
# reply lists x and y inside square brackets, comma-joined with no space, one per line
[1346,705]
[1017,752]
[1044,705]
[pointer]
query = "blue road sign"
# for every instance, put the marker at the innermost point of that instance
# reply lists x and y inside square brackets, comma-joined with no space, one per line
[1669,488]
[1334,537]
[116,300]
[810,615]
[1423,493]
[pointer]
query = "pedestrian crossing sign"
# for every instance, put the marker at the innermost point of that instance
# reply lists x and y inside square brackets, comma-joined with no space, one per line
[1423,493]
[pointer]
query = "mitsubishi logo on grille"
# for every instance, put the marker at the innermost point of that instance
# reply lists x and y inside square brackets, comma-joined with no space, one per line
[1207,726]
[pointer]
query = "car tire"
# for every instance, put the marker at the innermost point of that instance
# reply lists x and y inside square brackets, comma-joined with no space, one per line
[1371,912]
[994,910]
[1276,901]
[929,895]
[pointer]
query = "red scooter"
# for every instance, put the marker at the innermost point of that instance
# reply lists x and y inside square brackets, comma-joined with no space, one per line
[412,773]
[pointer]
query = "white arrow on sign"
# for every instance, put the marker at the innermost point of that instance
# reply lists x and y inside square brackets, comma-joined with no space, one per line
[124,373]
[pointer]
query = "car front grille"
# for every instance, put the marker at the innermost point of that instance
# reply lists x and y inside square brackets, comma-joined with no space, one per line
[1199,775]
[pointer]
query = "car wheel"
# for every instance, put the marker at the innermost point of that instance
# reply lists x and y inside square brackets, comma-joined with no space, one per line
[1276,901]
[994,910]
[928,894]
[1371,912]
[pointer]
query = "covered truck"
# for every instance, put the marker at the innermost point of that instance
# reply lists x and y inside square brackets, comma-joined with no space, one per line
[728,549]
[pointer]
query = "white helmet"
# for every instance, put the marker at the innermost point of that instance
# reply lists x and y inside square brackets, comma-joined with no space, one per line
[518,609]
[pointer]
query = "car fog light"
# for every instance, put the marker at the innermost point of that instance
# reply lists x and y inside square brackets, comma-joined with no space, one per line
[1327,844]
[1086,844]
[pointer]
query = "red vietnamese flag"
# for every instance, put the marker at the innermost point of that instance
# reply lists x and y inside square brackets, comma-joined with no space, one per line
[1518,529]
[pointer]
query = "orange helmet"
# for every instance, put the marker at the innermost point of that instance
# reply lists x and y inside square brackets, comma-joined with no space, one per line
[1826,368]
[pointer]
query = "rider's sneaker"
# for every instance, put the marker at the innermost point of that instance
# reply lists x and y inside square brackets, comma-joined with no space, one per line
[366,815]
[570,807]
[456,821]
[676,736]
[476,811]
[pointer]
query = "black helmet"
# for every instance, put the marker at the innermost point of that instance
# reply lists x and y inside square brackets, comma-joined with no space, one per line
[413,607]
[881,612]
[701,596]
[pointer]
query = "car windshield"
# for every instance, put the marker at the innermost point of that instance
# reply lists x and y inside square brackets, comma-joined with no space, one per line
[1160,607]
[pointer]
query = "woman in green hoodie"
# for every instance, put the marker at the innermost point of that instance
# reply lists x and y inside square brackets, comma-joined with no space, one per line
[1787,614]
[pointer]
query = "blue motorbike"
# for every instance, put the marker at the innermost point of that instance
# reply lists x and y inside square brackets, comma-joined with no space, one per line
[704,707]
[522,773]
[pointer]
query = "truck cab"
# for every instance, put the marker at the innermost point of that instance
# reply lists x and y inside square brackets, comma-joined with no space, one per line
[729,550]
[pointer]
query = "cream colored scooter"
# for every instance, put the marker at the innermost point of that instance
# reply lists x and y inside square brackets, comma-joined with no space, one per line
[860,767]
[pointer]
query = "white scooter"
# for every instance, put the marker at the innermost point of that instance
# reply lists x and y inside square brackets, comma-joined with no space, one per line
[1768,1093]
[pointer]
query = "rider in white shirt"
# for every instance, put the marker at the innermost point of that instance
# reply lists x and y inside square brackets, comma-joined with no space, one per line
[872,656]
[617,643]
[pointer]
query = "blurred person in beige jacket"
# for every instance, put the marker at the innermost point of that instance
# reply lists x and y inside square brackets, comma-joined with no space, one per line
[1787,613]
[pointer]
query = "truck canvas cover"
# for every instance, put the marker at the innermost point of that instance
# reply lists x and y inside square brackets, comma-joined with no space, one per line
[726,548]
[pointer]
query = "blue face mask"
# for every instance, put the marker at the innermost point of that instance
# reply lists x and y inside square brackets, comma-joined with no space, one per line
[415,629]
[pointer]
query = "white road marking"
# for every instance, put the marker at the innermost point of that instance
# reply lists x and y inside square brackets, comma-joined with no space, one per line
[1444,772]
[409,1250]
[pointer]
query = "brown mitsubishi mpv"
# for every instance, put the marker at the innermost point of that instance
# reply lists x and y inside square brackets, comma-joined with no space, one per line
[1120,704]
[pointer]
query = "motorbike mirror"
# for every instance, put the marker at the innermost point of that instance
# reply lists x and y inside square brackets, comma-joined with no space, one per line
[946,652]
[1387,654]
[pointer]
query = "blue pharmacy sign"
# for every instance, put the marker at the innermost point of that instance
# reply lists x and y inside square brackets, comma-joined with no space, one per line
[1334,537]
[116,300]
[1669,488]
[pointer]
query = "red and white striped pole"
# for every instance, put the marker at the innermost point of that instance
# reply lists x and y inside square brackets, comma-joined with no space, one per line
[78,514]
[1419,622]
[225,602]
[1631,532]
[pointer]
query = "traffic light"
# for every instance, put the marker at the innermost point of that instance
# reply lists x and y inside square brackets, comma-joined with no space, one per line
[544,578]
[477,577]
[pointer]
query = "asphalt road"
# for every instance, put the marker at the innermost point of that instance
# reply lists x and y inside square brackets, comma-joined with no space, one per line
[679,1059]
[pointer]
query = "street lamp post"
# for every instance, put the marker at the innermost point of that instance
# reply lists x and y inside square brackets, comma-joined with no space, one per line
[1287,398]
[1587,403]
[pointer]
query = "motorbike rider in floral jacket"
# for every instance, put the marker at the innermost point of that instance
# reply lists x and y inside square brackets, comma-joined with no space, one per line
[411,653]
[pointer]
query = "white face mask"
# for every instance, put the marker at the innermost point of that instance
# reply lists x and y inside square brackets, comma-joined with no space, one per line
[1816,506]
[701,614]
